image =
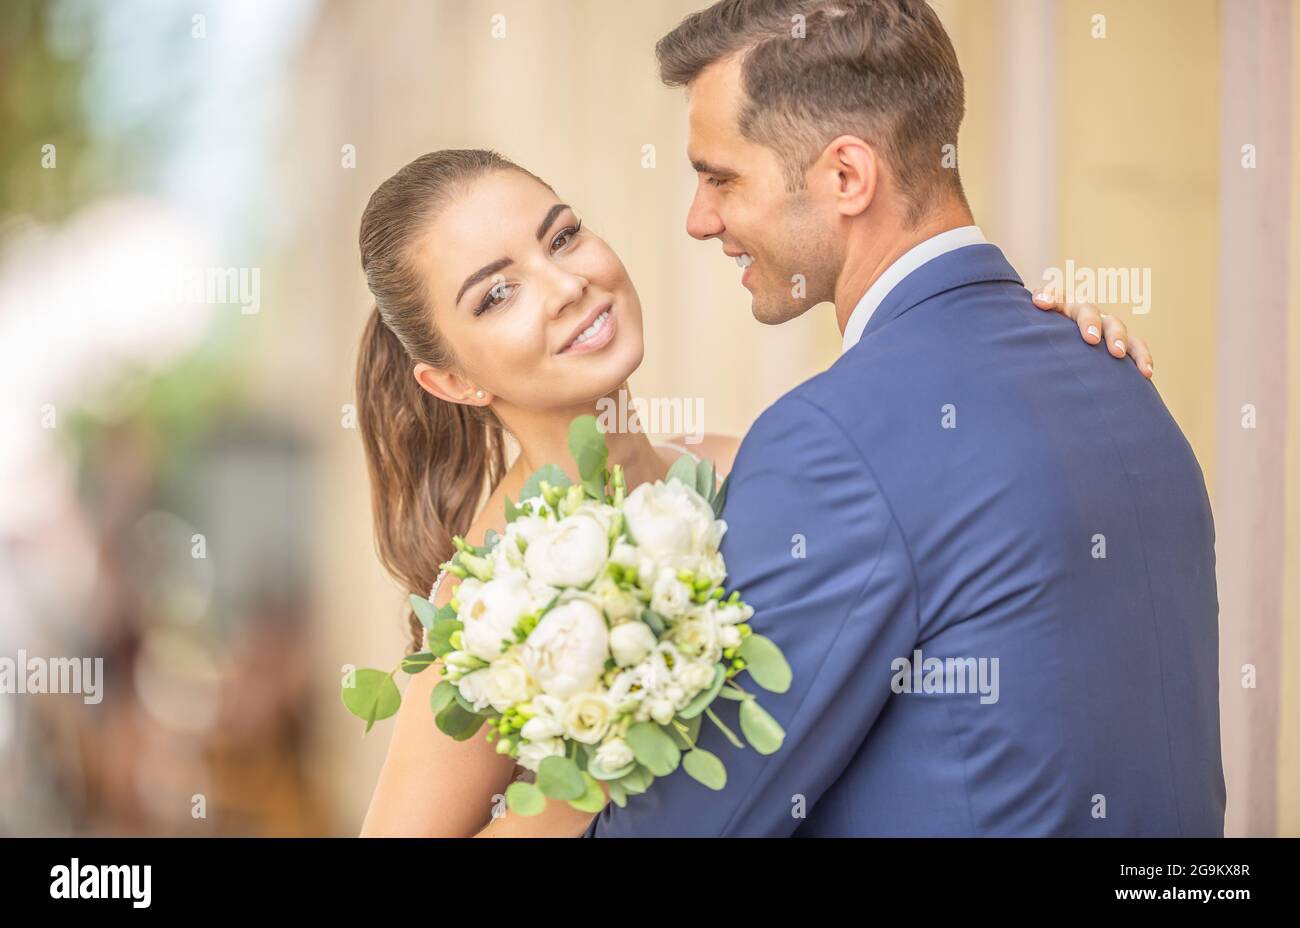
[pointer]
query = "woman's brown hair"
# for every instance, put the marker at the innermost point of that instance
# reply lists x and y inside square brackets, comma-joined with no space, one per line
[430,461]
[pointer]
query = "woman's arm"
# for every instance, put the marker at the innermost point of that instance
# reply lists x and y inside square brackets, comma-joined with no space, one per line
[430,784]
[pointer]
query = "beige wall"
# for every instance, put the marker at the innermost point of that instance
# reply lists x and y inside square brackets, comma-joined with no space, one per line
[1106,151]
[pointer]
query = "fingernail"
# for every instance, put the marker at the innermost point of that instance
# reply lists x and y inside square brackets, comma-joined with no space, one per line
[1151,367]
[1119,344]
[1092,330]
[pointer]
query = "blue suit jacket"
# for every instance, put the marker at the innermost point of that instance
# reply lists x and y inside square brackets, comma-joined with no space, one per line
[970,480]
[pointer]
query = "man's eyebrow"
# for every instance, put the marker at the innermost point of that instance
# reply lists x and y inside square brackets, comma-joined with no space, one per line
[482,273]
[490,269]
[703,167]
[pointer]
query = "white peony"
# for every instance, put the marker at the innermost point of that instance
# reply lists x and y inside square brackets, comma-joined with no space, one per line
[569,553]
[630,642]
[614,754]
[491,613]
[670,521]
[587,717]
[567,650]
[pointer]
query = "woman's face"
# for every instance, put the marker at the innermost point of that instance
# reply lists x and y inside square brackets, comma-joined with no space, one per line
[539,311]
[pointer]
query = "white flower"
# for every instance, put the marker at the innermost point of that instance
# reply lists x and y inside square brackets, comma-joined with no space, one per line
[614,754]
[668,520]
[661,709]
[508,681]
[587,717]
[569,553]
[547,720]
[728,636]
[630,642]
[491,613]
[532,753]
[669,597]
[698,637]
[567,650]
[474,687]
[694,676]
[733,613]
[618,604]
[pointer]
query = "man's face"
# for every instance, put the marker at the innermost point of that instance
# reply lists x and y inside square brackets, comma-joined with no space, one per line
[741,200]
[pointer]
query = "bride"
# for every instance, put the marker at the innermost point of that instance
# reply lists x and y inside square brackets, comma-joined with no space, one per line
[496,312]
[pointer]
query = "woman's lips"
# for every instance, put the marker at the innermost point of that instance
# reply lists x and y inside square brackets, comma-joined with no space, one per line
[597,341]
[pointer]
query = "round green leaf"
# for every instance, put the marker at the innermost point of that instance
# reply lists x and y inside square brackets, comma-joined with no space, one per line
[457,722]
[423,609]
[705,767]
[759,728]
[600,773]
[653,748]
[373,696]
[617,793]
[593,800]
[414,663]
[560,778]
[683,470]
[443,693]
[636,782]
[524,798]
[765,663]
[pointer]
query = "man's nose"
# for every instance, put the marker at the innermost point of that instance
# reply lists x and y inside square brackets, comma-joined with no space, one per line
[702,220]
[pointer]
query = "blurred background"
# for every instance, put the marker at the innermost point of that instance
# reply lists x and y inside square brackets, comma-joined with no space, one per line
[184,492]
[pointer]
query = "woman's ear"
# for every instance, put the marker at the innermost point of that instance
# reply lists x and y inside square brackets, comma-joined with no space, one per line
[450,386]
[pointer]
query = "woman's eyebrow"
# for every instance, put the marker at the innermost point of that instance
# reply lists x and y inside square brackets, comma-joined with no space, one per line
[489,269]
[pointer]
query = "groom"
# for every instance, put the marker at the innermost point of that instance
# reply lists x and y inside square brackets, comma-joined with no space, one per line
[1002,619]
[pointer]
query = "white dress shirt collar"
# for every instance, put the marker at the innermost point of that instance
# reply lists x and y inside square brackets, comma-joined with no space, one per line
[908,262]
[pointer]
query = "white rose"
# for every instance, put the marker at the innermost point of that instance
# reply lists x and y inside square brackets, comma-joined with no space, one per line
[569,553]
[668,520]
[567,650]
[532,753]
[669,597]
[661,709]
[614,754]
[509,681]
[491,614]
[587,717]
[630,642]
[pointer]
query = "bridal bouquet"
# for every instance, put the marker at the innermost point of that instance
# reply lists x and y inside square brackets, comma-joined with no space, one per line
[592,637]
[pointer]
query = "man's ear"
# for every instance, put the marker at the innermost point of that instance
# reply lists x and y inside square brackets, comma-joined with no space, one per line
[850,169]
[450,386]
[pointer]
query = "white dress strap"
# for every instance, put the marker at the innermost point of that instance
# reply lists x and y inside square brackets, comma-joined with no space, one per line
[437,584]
[676,447]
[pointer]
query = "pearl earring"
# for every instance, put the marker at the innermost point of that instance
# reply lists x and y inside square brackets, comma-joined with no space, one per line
[479,393]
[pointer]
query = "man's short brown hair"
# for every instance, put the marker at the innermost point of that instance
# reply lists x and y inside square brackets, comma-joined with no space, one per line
[883,70]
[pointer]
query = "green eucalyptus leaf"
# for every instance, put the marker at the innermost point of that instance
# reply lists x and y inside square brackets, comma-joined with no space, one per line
[458,722]
[512,511]
[636,782]
[551,473]
[704,478]
[617,793]
[600,773]
[765,663]
[656,622]
[683,469]
[424,610]
[587,445]
[705,767]
[524,798]
[560,778]
[593,800]
[759,728]
[443,694]
[706,696]
[653,748]
[372,697]
[720,498]
[414,663]
[440,636]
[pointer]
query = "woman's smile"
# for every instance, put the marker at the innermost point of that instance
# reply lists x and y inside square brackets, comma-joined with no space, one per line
[596,331]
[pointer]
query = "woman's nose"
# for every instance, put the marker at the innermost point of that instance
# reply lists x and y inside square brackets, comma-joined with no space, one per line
[567,288]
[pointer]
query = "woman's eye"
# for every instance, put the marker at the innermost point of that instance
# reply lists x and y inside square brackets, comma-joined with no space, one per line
[565,236]
[494,297]
[714,182]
